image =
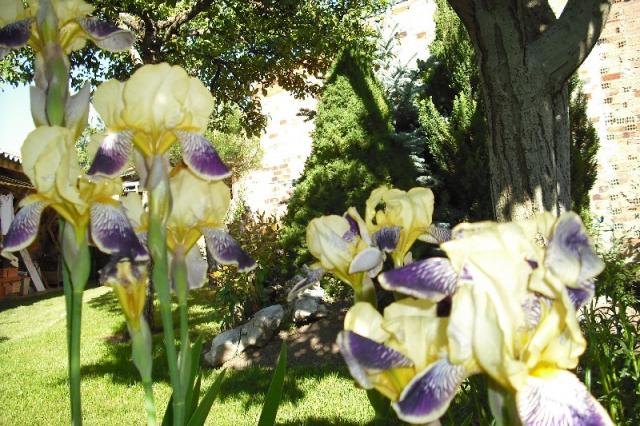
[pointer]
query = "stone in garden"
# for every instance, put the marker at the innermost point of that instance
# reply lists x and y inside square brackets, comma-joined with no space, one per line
[224,347]
[309,305]
[261,328]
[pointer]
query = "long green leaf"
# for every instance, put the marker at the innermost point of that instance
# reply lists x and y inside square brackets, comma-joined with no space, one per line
[274,394]
[200,414]
[196,349]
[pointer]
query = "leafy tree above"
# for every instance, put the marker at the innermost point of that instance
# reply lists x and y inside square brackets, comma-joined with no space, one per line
[233,46]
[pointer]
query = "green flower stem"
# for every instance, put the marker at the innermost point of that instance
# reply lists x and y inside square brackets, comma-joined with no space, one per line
[182,290]
[55,64]
[503,405]
[364,291]
[77,264]
[141,351]
[159,207]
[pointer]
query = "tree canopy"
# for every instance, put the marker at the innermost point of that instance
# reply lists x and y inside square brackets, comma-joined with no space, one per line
[235,47]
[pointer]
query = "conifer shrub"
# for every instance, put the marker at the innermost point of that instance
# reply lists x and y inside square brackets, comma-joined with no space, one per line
[352,151]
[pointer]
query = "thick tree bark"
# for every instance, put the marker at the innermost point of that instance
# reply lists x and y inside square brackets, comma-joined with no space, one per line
[526,56]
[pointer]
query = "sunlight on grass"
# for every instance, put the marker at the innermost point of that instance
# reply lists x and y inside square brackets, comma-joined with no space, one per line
[33,365]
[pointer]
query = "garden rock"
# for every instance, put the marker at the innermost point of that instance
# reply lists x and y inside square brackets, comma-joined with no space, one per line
[261,328]
[224,347]
[309,305]
[255,333]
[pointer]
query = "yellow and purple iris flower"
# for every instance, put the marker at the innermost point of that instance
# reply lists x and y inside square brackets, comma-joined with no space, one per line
[199,209]
[18,27]
[396,219]
[505,302]
[158,106]
[50,161]
[343,247]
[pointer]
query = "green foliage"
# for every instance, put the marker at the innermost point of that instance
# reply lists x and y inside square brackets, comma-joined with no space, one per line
[274,394]
[610,367]
[451,114]
[584,147]
[234,46]
[352,151]
[241,294]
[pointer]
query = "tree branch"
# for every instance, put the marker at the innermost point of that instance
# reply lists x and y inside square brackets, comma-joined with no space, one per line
[173,24]
[565,45]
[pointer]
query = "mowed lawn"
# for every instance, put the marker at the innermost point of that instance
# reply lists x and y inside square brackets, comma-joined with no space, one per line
[33,372]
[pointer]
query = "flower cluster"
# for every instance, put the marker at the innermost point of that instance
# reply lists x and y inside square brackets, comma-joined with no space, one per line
[502,303]
[353,249]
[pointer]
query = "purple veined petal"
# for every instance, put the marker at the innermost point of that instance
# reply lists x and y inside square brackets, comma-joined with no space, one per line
[559,399]
[353,231]
[569,248]
[106,35]
[428,395]
[387,238]
[431,279]
[201,157]
[366,260]
[362,354]
[113,234]
[14,35]
[436,235]
[113,155]
[225,250]
[581,295]
[24,228]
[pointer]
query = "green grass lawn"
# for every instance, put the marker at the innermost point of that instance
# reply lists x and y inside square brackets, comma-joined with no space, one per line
[33,367]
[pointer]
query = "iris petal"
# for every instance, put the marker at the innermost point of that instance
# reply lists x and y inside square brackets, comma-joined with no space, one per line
[387,238]
[113,154]
[366,260]
[106,35]
[200,156]
[432,279]
[227,251]
[430,392]
[113,234]
[436,235]
[581,295]
[570,254]
[196,268]
[362,354]
[14,35]
[559,399]
[24,227]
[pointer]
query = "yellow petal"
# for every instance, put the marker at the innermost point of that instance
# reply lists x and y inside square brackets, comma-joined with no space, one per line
[324,239]
[197,203]
[416,330]
[108,101]
[366,321]
[163,97]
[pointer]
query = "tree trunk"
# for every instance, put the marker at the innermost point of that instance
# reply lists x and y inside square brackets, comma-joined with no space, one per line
[526,56]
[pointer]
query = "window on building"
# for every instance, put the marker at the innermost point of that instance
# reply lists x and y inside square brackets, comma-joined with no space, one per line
[608,100]
[611,136]
[625,104]
[604,70]
[614,182]
[622,43]
[630,127]
[616,211]
[605,85]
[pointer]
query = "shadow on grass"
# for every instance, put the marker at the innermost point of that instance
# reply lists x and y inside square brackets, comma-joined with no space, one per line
[30,299]
[252,383]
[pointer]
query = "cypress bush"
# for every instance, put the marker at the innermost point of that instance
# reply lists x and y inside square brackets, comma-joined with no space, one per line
[352,151]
